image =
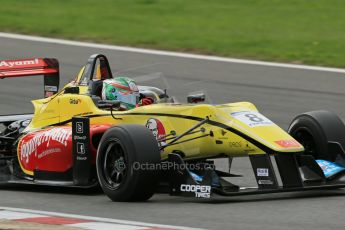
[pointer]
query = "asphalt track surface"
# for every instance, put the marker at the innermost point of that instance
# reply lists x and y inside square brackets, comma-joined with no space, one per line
[279,93]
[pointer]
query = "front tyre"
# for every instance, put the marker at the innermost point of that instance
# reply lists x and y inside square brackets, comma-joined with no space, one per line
[123,157]
[315,129]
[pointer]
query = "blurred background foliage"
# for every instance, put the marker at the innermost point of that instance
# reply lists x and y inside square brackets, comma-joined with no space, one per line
[295,31]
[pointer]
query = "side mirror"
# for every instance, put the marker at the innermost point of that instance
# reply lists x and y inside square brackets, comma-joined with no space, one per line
[196,97]
[107,104]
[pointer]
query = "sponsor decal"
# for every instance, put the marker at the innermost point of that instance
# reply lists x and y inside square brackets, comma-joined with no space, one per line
[157,129]
[329,168]
[43,139]
[262,171]
[82,138]
[288,143]
[48,94]
[252,118]
[19,63]
[268,182]
[50,88]
[79,127]
[49,151]
[73,101]
[80,148]
[79,158]
[223,132]
[235,144]
[223,135]
[200,191]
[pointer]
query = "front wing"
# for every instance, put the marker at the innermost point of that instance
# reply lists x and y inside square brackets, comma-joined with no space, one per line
[297,173]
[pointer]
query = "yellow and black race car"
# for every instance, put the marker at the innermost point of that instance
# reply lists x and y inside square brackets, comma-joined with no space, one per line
[76,138]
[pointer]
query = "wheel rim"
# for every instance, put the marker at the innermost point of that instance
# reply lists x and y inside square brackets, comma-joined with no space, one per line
[306,139]
[114,166]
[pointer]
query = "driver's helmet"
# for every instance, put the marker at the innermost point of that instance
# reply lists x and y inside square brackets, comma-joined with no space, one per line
[122,89]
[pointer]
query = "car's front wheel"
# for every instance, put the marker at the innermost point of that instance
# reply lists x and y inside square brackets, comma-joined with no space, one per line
[315,129]
[126,160]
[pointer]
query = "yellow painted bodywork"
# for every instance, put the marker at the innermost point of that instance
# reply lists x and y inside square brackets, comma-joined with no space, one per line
[60,108]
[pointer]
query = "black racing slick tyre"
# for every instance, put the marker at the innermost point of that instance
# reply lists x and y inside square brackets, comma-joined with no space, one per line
[315,129]
[122,158]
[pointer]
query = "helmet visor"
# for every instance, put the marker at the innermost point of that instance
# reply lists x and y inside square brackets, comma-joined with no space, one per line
[131,98]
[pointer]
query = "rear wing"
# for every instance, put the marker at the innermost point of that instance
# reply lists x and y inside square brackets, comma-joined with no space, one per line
[48,67]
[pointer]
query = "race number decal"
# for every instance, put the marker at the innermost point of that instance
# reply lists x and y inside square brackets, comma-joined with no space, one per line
[252,118]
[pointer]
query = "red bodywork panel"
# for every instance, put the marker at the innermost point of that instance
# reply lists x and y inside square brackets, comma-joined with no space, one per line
[51,149]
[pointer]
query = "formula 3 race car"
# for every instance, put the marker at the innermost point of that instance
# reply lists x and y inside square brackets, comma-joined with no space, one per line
[75,139]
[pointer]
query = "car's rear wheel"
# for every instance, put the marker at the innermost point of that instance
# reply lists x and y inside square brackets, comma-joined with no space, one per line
[315,129]
[124,159]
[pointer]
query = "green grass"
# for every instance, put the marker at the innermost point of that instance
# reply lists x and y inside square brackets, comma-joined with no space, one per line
[297,31]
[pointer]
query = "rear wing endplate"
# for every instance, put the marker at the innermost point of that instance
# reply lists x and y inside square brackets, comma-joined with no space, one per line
[48,67]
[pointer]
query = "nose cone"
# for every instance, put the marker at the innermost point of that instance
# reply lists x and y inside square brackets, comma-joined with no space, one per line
[262,129]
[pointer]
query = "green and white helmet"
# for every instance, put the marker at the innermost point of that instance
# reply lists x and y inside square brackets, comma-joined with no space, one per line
[122,89]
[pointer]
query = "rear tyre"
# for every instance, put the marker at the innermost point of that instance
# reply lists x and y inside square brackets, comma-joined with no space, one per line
[315,129]
[122,155]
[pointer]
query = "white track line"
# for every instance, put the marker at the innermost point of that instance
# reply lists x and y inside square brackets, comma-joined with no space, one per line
[167,53]
[30,212]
